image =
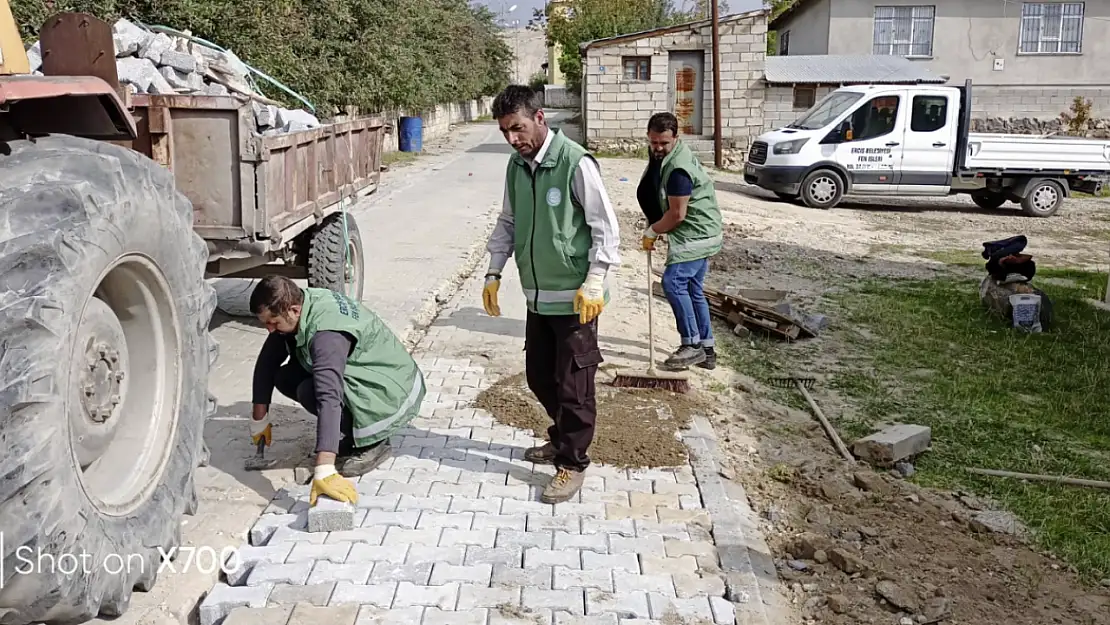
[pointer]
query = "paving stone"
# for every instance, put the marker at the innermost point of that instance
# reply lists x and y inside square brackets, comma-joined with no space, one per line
[624,527]
[439,520]
[314,594]
[514,492]
[446,573]
[222,599]
[649,545]
[632,604]
[567,523]
[516,538]
[571,558]
[490,506]
[537,577]
[376,594]
[677,531]
[238,566]
[617,562]
[382,519]
[270,574]
[421,554]
[287,535]
[571,600]
[598,543]
[698,517]
[417,489]
[663,607]
[652,565]
[371,615]
[442,597]
[378,502]
[324,571]
[276,615]
[566,618]
[530,505]
[688,586]
[565,578]
[476,596]
[436,616]
[512,556]
[305,614]
[417,574]
[371,535]
[304,552]
[624,582]
[500,521]
[329,515]
[477,538]
[700,549]
[591,510]
[519,616]
[724,612]
[435,504]
[616,512]
[369,554]
[666,487]
[265,526]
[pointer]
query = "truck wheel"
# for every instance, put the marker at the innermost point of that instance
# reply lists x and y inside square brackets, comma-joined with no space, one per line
[328,266]
[989,201]
[104,315]
[1043,200]
[822,189]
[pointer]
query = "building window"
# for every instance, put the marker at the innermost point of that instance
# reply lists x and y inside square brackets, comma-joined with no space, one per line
[784,43]
[904,30]
[930,113]
[1051,28]
[804,97]
[637,67]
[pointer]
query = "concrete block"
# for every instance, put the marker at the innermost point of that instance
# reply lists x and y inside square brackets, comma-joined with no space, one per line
[216,89]
[154,47]
[265,115]
[181,61]
[895,443]
[277,615]
[287,116]
[160,86]
[195,81]
[129,38]
[305,614]
[138,73]
[222,599]
[177,80]
[329,515]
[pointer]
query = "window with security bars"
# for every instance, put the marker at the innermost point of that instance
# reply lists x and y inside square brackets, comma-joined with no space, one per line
[1051,28]
[904,30]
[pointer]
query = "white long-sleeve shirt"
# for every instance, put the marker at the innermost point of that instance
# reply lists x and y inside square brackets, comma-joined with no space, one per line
[589,191]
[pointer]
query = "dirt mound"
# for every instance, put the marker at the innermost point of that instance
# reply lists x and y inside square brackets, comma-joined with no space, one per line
[635,427]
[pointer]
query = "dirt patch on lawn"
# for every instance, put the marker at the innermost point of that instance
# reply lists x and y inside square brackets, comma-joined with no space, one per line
[635,427]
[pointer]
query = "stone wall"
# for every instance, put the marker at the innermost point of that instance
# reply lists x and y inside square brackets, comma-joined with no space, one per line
[616,110]
[438,121]
[1036,110]
[559,97]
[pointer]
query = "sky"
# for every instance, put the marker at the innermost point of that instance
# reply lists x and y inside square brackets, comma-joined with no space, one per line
[524,8]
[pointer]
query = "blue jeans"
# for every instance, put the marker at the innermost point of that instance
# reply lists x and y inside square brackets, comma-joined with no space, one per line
[683,284]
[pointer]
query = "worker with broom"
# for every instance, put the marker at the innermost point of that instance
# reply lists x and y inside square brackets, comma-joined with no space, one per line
[688,214]
[345,367]
[558,219]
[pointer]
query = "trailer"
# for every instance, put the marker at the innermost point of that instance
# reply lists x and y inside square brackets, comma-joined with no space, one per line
[114,212]
[915,140]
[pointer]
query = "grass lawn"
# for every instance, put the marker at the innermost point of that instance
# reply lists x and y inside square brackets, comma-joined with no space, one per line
[995,398]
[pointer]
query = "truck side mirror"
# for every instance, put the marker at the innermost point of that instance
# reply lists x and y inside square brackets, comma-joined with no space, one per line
[846,130]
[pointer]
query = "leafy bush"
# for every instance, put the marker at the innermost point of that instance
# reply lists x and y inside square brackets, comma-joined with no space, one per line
[374,54]
[537,81]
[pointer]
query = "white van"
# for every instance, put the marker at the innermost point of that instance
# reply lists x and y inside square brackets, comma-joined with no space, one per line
[913,140]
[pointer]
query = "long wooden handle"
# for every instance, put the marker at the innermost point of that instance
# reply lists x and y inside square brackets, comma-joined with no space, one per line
[651,319]
[1035,477]
[840,447]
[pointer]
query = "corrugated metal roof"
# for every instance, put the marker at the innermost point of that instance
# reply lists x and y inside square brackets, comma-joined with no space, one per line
[840,69]
[655,32]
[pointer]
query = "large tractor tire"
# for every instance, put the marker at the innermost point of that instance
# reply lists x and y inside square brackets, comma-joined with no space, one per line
[334,263]
[104,362]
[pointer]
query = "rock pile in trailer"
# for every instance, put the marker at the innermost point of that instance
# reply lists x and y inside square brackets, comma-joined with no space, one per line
[161,64]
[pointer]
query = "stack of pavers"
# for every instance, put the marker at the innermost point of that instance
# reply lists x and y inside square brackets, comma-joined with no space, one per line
[161,64]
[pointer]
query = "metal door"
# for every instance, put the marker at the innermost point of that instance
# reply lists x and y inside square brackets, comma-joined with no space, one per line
[686,70]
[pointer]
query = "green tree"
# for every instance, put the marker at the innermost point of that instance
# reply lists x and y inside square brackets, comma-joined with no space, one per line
[586,20]
[777,7]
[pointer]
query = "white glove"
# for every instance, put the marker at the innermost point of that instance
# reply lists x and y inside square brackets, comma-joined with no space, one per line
[260,429]
[647,242]
[593,289]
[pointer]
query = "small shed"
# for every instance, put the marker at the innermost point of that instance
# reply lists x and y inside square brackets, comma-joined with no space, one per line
[795,83]
[628,78]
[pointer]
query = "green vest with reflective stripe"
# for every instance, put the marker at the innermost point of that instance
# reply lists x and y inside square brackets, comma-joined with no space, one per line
[700,235]
[382,385]
[552,240]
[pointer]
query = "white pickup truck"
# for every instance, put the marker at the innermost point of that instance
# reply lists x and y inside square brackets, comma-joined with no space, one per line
[913,140]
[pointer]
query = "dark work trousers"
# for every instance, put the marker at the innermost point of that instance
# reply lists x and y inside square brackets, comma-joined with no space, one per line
[561,360]
[295,383]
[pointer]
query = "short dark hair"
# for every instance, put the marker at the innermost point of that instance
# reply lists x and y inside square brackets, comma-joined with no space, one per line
[662,122]
[516,99]
[275,294]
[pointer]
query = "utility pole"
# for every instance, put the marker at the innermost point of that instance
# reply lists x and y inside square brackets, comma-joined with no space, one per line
[718,152]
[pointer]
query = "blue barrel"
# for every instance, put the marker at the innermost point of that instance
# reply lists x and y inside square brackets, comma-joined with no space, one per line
[411,136]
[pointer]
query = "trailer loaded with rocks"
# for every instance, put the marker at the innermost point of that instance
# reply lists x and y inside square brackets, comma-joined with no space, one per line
[116,204]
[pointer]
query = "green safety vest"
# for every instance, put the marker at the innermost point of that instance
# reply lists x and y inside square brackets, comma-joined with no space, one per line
[382,385]
[552,240]
[700,235]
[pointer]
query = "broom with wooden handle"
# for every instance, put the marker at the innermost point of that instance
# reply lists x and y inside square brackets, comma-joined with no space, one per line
[674,382]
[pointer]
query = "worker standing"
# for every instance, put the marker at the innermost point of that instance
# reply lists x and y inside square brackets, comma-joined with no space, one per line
[345,367]
[558,220]
[688,214]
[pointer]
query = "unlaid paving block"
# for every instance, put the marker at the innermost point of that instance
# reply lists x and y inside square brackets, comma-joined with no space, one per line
[239,564]
[304,614]
[892,444]
[329,515]
[276,615]
[222,599]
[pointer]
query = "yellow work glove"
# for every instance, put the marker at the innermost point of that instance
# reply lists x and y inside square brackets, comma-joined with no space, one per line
[328,482]
[489,296]
[590,298]
[647,243]
[261,430]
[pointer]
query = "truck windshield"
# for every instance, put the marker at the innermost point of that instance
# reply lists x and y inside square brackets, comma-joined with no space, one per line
[824,112]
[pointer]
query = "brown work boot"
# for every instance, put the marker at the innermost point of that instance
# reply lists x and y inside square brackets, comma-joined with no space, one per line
[544,454]
[563,486]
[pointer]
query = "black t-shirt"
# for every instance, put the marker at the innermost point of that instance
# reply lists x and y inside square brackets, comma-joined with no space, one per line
[647,194]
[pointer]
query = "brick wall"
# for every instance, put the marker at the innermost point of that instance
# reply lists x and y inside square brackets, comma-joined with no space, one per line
[616,110]
[778,105]
[1035,110]
[438,121]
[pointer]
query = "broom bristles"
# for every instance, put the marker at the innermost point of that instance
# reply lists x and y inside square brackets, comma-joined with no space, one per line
[675,385]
